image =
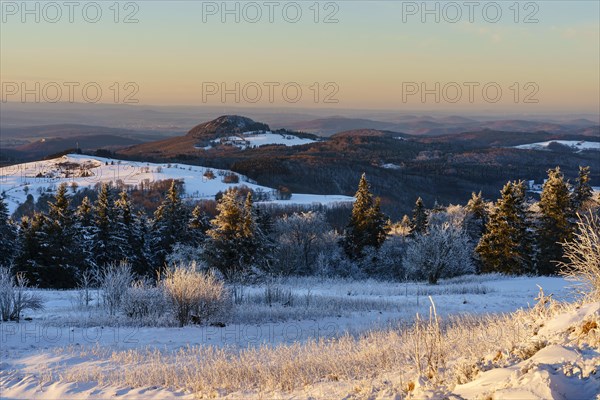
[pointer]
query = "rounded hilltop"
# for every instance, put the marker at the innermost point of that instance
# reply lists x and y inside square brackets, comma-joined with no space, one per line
[226,125]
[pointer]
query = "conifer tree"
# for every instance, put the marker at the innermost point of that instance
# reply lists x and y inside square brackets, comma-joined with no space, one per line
[477,216]
[8,235]
[105,248]
[124,230]
[419,219]
[170,224]
[231,244]
[84,223]
[507,244]
[59,255]
[582,192]
[30,249]
[555,226]
[367,226]
[198,225]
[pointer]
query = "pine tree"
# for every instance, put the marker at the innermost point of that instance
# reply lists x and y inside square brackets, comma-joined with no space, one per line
[8,235]
[124,229]
[84,223]
[105,249]
[232,245]
[59,255]
[507,243]
[555,226]
[198,225]
[170,225]
[30,249]
[583,191]
[419,219]
[367,226]
[477,216]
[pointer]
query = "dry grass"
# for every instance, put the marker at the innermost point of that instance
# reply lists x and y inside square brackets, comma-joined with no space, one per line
[435,352]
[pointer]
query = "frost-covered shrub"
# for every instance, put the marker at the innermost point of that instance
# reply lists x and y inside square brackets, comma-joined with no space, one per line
[583,253]
[443,252]
[194,296]
[114,280]
[144,302]
[14,298]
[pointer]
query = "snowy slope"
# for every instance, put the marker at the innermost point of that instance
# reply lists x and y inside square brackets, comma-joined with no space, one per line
[260,138]
[566,367]
[574,144]
[33,178]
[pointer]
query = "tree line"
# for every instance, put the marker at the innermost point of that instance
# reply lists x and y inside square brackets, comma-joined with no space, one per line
[514,235]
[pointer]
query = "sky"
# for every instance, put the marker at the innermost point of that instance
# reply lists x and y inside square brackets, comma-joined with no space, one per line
[484,57]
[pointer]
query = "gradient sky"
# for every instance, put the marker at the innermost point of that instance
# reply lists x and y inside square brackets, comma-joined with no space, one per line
[368,54]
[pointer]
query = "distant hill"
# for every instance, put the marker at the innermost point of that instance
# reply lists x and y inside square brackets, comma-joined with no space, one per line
[29,143]
[400,166]
[45,147]
[430,126]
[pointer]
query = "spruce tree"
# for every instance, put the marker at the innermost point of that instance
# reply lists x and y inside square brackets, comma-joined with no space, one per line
[30,249]
[583,191]
[232,245]
[124,230]
[507,244]
[105,249]
[555,226]
[367,226]
[8,235]
[198,225]
[477,216]
[419,219]
[84,223]
[170,225]
[60,250]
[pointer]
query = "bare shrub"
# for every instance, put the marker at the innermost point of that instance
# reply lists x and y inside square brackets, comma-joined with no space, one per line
[583,253]
[114,280]
[86,281]
[193,295]
[14,298]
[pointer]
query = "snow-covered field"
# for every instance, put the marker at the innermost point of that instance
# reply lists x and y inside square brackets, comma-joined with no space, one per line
[67,351]
[35,178]
[574,144]
[256,139]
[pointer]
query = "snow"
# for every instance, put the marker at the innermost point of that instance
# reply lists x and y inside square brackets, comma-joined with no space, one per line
[260,138]
[561,370]
[17,181]
[574,144]
[63,339]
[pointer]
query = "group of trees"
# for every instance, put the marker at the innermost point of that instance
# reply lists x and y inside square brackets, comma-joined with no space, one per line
[513,235]
[524,237]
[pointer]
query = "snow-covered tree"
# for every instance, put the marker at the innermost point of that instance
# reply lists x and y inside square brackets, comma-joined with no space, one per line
[300,238]
[84,223]
[235,244]
[368,226]
[8,235]
[419,218]
[583,192]
[507,245]
[105,248]
[170,224]
[58,242]
[477,216]
[555,225]
[198,225]
[444,251]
